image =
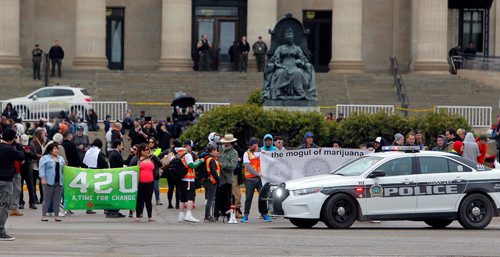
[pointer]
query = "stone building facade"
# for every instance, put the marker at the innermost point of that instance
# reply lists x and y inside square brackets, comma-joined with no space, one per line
[346,35]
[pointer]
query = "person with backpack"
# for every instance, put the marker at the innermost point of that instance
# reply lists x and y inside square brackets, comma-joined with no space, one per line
[187,184]
[166,158]
[211,171]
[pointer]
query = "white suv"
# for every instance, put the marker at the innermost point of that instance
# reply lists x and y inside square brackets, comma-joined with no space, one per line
[47,102]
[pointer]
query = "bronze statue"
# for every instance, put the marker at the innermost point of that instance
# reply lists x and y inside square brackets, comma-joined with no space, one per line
[288,74]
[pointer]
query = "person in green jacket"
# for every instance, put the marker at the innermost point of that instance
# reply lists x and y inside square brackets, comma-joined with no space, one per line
[228,160]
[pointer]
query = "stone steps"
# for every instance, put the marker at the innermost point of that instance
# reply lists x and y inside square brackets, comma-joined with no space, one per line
[424,91]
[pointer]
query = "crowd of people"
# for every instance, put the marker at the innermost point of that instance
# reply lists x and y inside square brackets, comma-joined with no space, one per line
[35,154]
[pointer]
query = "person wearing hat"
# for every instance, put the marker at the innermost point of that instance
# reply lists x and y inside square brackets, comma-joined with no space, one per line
[81,141]
[10,152]
[251,160]
[188,186]
[308,141]
[399,140]
[27,172]
[442,144]
[228,160]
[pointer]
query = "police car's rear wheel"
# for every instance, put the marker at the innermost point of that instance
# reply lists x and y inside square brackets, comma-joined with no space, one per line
[438,223]
[475,212]
[304,223]
[340,211]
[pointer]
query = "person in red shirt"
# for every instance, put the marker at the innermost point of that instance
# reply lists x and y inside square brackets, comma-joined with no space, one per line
[482,142]
[146,162]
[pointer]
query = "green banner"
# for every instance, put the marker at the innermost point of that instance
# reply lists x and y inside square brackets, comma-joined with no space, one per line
[100,189]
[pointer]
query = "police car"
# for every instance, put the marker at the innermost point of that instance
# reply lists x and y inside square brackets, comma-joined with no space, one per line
[433,187]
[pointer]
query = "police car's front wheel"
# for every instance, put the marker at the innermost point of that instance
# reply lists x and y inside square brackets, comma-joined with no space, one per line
[438,223]
[340,211]
[475,212]
[304,223]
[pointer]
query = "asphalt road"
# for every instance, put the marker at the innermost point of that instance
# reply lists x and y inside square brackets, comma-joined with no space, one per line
[94,235]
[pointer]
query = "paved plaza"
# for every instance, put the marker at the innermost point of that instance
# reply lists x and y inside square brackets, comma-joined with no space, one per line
[94,235]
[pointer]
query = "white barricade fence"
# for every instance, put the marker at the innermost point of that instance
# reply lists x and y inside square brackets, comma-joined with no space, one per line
[116,110]
[348,109]
[29,110]
[209,106]
[477,116]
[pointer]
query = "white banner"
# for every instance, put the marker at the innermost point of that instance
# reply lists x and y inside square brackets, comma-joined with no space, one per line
[277,167]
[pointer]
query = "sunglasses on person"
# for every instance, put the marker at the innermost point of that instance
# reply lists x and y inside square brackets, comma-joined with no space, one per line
[146,150]
[279,142]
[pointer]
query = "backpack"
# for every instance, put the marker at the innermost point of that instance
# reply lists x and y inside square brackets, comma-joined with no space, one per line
[202,172]
[177,168]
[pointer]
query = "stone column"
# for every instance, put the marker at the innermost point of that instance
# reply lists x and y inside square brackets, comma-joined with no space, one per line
[90,52]
[176,36]
[430,18]
[9,34]
[261,16]
[347,28]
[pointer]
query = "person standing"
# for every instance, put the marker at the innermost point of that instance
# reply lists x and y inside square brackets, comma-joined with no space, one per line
[203,47]
[94,159]
[115,161]
[471,148]
[187,185]
[81,141]
[51,173]
[213,170]
[39,141]
[27,172]
[228,160]
[56,55]
[442,143]
[251,160]
[308,141]
[136,134]
[8,155]
[71,151]
[244,48]
[259,51]
[146,182]
[36,58]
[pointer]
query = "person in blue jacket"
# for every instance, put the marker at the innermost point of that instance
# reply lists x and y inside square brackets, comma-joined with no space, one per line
[268,144]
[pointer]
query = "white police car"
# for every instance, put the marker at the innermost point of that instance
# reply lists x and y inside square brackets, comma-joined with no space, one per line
[433,187]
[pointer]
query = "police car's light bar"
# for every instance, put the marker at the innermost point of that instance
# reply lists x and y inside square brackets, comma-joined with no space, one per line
[401,148]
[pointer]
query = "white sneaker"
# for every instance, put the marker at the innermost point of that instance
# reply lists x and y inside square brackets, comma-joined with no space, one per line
[182,215]
[62,214]
[50,214]
[189,217]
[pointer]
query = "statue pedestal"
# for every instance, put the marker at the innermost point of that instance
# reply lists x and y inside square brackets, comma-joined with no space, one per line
[291,105]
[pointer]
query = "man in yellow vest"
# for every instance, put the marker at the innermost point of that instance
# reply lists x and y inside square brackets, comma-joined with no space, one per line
[251,160]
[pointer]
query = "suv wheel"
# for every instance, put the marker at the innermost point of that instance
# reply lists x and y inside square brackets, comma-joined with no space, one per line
[475,212]
[304,223]
[438,223]
[340,211]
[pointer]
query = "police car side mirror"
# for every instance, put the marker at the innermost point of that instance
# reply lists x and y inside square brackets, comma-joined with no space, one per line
[376,174]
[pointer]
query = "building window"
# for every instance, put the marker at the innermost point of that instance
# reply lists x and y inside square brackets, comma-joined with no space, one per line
[472,28]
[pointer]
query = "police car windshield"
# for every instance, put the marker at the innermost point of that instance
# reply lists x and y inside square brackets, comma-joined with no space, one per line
[358,166]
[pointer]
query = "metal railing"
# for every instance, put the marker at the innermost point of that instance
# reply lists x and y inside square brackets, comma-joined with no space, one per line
[116,110]
[348,109]
[399,83]
[34,111]
[477,116]
[29,110]
[209,106]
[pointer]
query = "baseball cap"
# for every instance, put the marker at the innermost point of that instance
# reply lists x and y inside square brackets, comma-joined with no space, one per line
[378,139]
[80,128]
[25,139]
[188,142]
[253,141]
[308,134]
